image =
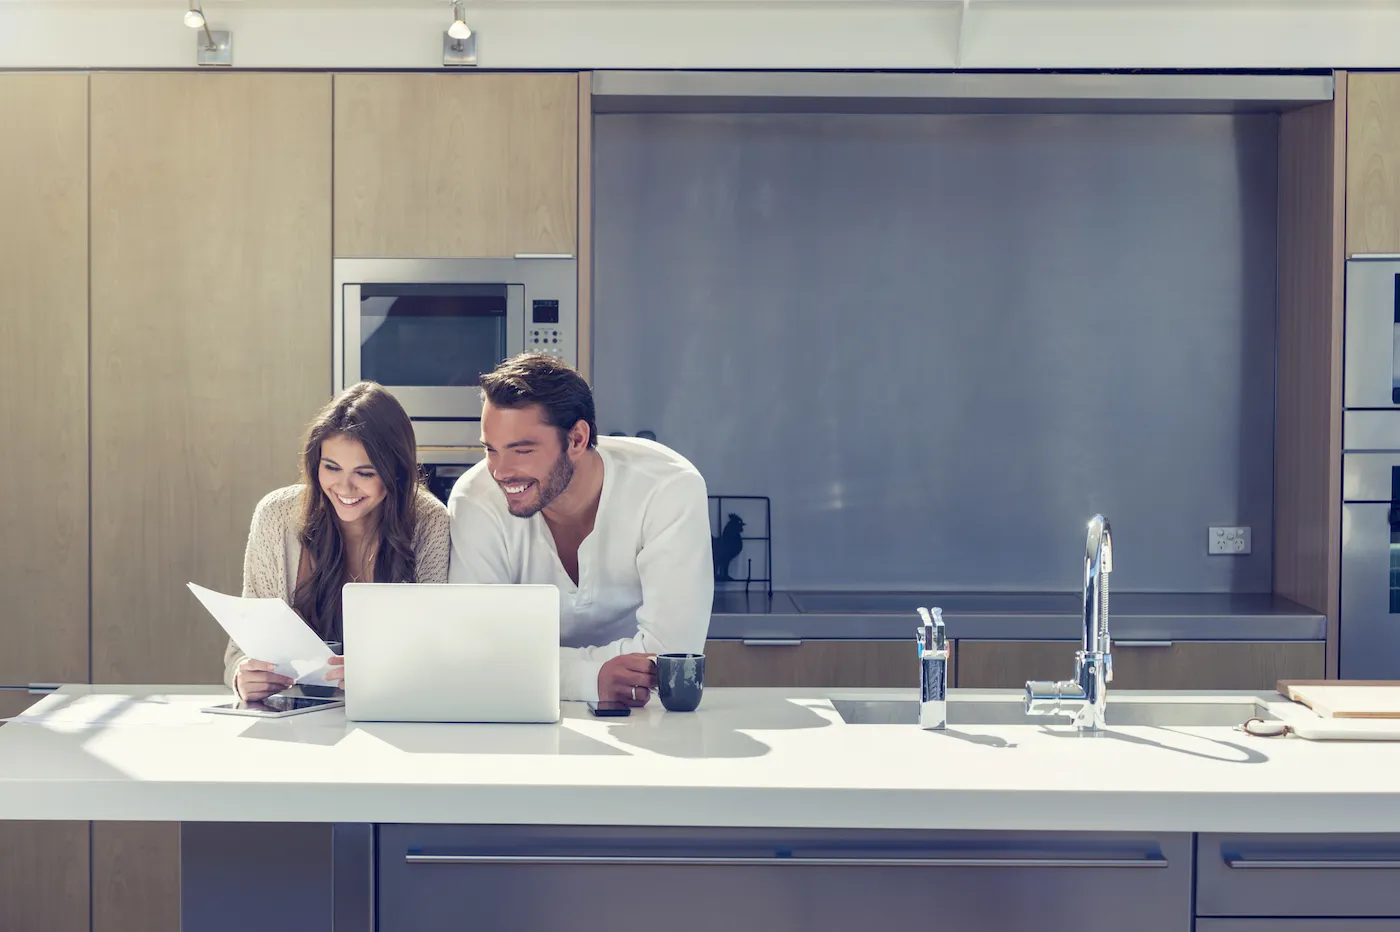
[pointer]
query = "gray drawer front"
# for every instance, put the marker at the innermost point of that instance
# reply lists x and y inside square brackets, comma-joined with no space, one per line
[692,880]
[1298,925]
[1332,876]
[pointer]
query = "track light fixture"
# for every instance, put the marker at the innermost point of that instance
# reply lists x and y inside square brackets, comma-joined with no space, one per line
[459,41]
[214,47]
[459,28]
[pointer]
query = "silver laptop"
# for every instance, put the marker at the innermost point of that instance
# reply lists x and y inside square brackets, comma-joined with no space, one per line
[421,652]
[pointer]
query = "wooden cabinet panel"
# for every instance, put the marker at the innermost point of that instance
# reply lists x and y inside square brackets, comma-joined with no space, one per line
[43,865]
[456,164]
[1308,439]
[211,331]
[44,378]
[844,664]
[1182,665]
[585,224]
[136,877]
[1009,664]
[1373,162]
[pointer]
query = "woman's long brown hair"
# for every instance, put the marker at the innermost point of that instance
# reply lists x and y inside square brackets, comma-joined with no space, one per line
[368,413]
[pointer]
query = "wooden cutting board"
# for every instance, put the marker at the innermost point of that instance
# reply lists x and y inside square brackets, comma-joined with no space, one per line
[1346,698]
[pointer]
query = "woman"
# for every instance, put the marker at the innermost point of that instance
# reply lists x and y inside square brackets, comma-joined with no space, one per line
[360,513]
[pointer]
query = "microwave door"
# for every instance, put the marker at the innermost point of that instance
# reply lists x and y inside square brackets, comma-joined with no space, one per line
[516,325]
[429,343]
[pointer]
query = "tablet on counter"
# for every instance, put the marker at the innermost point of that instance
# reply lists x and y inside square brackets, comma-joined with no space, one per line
[277,706]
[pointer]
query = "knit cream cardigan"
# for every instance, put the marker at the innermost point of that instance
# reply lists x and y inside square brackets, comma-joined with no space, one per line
[274,551]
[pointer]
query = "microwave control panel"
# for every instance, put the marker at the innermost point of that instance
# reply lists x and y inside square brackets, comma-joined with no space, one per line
[546,333]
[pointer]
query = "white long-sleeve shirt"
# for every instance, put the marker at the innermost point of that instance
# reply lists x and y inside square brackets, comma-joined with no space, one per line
[645,573]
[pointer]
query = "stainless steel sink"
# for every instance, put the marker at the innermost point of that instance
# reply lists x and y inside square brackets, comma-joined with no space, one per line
[1204,713]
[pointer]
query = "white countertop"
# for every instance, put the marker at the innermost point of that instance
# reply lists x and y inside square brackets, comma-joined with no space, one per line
[749,757]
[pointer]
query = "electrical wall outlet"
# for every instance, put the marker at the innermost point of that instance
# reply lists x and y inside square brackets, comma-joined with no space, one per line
[1230,541]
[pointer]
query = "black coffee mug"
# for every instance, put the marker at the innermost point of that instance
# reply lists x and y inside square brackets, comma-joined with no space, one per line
[680,680]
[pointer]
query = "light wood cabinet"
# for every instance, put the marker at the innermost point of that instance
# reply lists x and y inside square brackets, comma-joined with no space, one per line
[211,347]
[1308,401]
[211,249]
[456,164]
[1172,665]
[136,877]
[585,224]
[43,865]
[1373,162]
[44,379]
[836,664]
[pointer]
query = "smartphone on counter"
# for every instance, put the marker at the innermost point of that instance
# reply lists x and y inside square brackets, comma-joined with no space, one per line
[610,709]
[276,706]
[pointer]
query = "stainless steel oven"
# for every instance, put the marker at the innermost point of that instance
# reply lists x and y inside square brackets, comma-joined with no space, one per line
[1369,637]
[1370,629]
[427,329]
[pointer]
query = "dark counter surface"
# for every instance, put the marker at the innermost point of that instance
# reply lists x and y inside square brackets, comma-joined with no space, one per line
[1133,616]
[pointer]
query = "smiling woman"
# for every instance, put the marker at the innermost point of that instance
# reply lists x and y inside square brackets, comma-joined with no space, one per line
[359,514]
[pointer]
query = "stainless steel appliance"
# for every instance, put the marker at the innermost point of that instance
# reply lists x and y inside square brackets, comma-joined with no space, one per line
[1370,629]
[1373,333]
[427,329]
[1369,637]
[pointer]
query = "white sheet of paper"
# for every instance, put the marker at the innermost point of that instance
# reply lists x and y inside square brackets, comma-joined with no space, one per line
[268,629]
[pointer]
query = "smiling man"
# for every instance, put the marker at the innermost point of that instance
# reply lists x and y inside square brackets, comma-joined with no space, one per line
[620,525]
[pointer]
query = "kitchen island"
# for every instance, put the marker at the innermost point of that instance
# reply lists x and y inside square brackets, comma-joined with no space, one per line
[767,808]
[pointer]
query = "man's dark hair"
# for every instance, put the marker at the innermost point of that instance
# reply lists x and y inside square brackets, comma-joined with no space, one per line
[537,379]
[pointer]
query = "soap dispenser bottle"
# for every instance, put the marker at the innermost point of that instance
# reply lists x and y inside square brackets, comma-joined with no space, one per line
[933,670]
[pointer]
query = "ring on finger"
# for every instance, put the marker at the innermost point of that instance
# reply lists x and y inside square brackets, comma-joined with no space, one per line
[634,693]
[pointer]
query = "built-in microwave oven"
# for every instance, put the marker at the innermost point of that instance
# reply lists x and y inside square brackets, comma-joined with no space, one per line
[427,329]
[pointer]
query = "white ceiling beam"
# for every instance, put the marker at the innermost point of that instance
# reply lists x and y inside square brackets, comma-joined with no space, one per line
[1182,34]
[768,34]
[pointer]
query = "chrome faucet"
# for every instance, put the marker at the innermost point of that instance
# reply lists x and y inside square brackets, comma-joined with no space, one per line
[1085,696]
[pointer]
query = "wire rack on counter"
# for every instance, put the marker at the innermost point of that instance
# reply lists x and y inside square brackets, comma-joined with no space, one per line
[728,541]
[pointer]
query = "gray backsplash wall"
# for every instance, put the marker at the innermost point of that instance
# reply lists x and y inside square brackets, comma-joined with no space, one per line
[942,343]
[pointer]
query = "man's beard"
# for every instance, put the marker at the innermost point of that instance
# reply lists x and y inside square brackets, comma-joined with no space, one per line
[551,488]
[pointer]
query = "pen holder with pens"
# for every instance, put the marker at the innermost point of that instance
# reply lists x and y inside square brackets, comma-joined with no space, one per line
[933,670]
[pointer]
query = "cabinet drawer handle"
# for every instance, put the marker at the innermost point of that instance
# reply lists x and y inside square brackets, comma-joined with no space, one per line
[1142,643]
[1237,863]
[772,642]
[686,861]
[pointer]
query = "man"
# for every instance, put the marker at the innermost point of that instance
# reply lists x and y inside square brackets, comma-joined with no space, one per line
[620,525]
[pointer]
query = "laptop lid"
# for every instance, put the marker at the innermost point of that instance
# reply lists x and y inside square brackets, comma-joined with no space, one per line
[423,652]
